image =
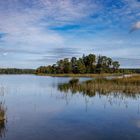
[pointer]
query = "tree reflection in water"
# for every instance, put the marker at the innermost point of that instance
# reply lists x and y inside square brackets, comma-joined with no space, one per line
[115,92]
[101,86]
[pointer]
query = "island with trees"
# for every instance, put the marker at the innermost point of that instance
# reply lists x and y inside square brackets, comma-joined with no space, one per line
[87,66]
[90,64]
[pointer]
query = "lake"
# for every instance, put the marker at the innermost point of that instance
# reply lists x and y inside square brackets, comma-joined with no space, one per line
[36,109]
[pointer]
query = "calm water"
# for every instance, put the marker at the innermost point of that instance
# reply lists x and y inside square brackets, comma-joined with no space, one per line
[37,110]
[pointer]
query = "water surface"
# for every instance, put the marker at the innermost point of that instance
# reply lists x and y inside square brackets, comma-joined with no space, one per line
[36,110]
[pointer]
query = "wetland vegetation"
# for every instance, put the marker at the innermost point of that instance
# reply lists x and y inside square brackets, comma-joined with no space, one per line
[2,119]
[128,85]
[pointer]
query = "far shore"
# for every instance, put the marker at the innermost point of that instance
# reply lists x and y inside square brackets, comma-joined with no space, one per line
[89,75]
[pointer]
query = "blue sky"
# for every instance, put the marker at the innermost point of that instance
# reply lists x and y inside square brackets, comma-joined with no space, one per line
[39,32]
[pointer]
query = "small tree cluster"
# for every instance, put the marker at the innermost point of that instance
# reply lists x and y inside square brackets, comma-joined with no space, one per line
[85,64]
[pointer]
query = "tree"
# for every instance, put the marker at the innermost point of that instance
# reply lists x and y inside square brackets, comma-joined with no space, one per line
[86,64]
[60,66]
[89,61]
[109,62]
[115,65]
[80,66]
[67,66]
[74,64]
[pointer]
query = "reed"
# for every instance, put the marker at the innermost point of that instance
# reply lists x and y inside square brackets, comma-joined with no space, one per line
[126,85]
[2,120]
[2,112]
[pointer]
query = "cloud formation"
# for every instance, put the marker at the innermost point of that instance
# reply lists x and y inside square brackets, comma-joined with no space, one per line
[28,22]
[136,26]
[33,29]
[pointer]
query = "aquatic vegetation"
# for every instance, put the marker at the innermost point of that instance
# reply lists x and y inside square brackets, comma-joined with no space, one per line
[74,81]
[2,120]
[127,85]
[2,112]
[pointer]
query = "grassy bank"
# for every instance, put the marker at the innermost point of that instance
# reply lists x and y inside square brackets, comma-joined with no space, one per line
[127,85]
[81,75]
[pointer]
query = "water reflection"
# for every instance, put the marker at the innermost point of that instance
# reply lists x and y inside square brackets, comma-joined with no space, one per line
[45,108]
[92,88]
[112,95]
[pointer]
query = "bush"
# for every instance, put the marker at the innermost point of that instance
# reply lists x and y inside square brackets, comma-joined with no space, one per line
[74,81]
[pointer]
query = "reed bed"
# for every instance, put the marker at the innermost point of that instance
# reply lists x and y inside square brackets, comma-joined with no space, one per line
[2,120]
[127,85]
[2,113]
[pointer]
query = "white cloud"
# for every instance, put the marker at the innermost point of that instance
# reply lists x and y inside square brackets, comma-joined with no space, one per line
[28,22]
[21,28]
[27,25]
[5,54]
[30,26]
[136,26]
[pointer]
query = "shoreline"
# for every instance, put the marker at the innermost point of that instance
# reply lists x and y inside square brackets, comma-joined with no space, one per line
[88,75]
[103,75]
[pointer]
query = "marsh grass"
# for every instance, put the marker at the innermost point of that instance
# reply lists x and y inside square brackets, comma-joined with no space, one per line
[74,81]
[2,112]
[126,85]
[2,120]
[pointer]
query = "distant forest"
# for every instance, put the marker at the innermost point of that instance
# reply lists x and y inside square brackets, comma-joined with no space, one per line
[85,64]
[16,71]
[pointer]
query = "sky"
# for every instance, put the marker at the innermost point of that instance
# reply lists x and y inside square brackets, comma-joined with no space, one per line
[40,32]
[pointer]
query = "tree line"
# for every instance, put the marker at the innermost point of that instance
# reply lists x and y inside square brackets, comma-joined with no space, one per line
[16,71]
[85,64]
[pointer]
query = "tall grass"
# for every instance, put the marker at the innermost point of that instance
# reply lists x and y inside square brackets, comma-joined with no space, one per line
[2,120]
[2,112]
[127,85]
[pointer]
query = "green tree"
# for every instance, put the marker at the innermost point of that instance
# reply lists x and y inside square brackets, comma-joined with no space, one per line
[60,66]
[115,65]
[67,66]
[74,64]
[89,62]
[80,66]
[86,64]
